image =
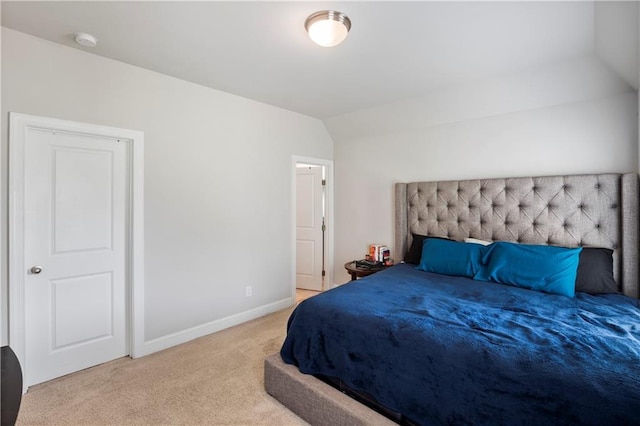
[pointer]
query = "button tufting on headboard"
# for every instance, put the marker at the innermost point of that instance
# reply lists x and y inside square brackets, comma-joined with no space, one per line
[559,210]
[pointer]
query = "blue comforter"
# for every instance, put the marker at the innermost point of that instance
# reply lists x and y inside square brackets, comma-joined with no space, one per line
[450,350]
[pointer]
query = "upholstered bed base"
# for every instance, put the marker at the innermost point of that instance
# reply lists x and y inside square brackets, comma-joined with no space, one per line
[312,399]
[599,210]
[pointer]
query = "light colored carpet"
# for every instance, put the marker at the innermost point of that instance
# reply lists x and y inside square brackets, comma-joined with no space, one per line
[302,294]
[214,380]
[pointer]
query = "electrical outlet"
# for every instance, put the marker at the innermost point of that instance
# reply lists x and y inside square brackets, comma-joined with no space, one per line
[249,291]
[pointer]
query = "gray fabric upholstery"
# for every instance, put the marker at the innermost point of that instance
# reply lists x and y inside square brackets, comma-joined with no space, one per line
[312,399]
[402,236]
[630,251]
[579,210]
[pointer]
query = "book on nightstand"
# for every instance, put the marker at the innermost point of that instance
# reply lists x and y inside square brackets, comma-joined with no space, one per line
[379,253]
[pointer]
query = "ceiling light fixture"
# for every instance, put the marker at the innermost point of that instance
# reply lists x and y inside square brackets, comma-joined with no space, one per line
[86,40]
[327,28]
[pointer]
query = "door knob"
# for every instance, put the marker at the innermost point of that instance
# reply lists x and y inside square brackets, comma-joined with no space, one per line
[36,269]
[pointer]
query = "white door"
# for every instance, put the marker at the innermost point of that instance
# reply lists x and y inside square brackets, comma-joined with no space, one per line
[309,214]
[76,215]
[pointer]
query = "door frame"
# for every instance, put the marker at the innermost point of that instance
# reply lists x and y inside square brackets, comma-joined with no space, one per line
[18,126]
[295,159]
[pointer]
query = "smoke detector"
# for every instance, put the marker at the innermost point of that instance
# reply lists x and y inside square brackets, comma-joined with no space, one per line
[86,40]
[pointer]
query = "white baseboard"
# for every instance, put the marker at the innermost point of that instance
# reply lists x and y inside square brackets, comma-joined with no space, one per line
[183,336]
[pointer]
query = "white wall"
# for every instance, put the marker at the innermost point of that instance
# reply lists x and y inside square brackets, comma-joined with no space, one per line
[616,37]
[568,81]
[566,118]
[217,178]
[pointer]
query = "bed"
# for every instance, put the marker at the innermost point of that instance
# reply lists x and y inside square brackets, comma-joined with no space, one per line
[425,347]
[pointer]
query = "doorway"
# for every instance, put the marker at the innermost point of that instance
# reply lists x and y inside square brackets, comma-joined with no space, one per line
[310,226]
[75,246]
[312,230]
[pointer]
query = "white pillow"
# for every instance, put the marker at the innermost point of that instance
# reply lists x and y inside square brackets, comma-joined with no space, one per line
[476,241]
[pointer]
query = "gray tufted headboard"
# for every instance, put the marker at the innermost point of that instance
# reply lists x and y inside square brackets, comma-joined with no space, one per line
[578,210]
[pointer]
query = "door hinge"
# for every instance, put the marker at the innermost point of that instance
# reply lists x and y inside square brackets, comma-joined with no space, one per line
[324,272]
[324,182]
[324,228]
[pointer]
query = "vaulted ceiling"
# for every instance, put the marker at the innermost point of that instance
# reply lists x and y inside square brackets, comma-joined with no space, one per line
[260,50]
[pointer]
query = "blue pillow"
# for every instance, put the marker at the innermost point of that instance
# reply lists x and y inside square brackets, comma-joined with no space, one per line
[543,268]
[449,257]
